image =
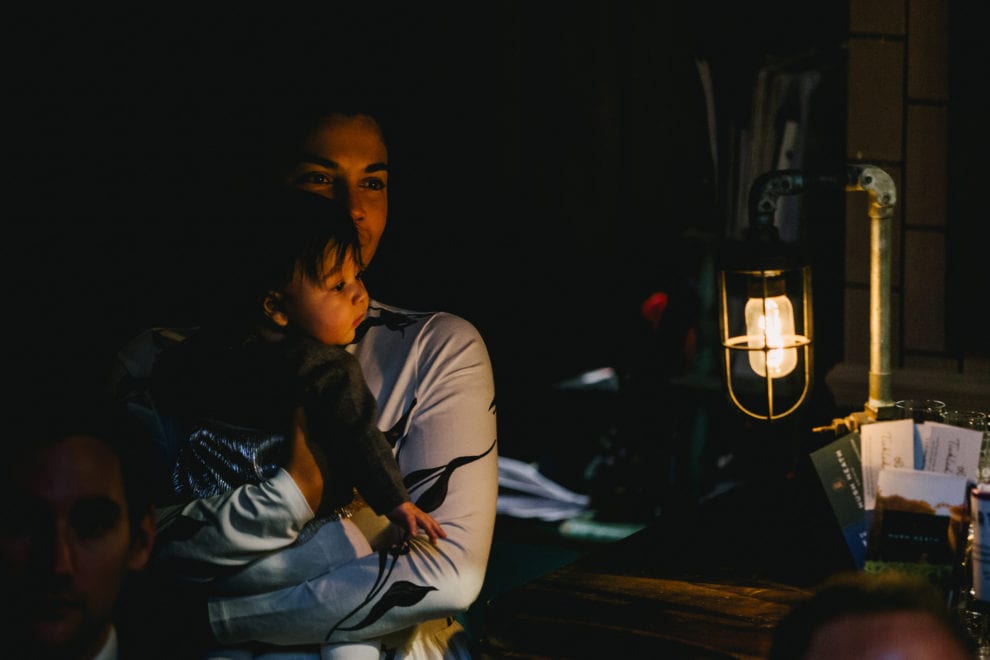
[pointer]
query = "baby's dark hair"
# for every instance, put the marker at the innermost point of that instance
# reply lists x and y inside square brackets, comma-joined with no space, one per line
[296,231]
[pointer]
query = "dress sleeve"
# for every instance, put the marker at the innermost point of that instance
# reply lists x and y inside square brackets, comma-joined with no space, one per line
[209,535]
[438,407]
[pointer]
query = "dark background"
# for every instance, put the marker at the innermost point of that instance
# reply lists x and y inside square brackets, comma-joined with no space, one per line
[550,168]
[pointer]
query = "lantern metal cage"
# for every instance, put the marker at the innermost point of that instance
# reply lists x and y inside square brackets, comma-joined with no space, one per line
[765,320]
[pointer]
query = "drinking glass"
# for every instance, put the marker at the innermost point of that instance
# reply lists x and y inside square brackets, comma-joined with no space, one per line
[968,419]
[920,410]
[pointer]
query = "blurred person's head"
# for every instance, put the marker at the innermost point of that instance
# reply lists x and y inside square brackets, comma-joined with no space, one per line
[884,616]
[78,520]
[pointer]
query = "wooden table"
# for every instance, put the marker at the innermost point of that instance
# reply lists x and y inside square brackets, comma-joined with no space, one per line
[576,614]
[708,583]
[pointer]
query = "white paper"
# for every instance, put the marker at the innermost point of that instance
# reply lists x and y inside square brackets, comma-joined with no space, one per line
[540,508]
[526,478]
[940,491]
[887,444]
[953,450]
[536,495]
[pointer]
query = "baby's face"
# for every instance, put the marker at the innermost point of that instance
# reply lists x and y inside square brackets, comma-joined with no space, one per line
[331,309]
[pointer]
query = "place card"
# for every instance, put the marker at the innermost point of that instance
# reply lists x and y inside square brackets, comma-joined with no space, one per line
[849,468]
[931,493]
[953,450]
[910,528]
[890,444]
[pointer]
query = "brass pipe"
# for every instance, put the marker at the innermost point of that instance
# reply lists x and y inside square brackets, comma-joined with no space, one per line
[883,196]
[882,192]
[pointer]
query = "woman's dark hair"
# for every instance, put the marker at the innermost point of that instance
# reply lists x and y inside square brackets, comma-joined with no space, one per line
[285,128]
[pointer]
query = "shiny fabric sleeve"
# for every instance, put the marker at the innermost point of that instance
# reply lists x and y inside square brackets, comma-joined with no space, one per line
[433,379]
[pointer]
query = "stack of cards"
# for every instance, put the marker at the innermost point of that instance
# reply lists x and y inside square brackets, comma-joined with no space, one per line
[895,486]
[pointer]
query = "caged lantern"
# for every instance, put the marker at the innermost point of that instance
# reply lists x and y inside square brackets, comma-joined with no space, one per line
[765,300]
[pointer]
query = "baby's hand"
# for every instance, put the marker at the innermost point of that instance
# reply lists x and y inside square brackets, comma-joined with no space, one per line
[411,518]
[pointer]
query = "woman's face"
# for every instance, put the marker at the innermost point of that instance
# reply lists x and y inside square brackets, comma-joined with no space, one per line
[345,158]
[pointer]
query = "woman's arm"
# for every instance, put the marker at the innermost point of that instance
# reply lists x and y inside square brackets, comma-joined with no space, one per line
[213,535]
[433,379]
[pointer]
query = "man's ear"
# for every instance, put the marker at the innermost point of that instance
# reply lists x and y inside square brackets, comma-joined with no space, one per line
[142,541]
[274,308]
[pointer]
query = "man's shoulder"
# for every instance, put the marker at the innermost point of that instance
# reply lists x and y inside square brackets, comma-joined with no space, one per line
[150,342]
[135,360]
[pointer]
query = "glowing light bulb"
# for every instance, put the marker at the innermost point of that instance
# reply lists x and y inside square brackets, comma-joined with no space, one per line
[770,324]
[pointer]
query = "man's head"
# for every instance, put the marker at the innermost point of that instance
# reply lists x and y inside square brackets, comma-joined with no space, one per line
[871,616]
[78,520]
